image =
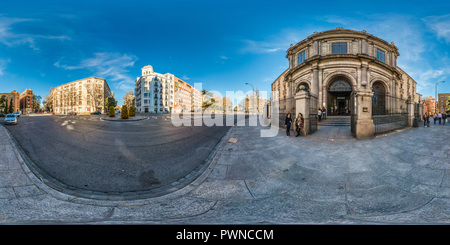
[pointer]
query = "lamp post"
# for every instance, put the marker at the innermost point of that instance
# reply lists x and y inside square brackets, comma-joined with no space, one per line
[253,90]
[436,98]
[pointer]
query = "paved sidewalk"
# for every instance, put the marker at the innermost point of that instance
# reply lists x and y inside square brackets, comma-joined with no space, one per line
[402,178]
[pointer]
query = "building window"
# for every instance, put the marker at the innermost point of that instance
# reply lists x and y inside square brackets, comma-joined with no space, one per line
[380,55]
[339,48]
[301,57]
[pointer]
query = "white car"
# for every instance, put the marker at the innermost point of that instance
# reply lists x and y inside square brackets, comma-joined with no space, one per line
[10,119]
[17,113]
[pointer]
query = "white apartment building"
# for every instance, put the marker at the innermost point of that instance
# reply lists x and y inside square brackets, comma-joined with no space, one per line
[154,92]
[81,97]
[197,100]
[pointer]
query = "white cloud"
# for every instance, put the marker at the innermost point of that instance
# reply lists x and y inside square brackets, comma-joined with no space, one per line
[440,25]
[13,38]
[257,47]
[111,66]
[3,63]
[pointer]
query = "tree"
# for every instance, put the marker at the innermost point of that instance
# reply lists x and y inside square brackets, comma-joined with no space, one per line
[129,99]
[94,94]
[110,101]
[3,103]
[6,107]
[132,111]
[11,106]
[207,99]
[124,112]
[112,112]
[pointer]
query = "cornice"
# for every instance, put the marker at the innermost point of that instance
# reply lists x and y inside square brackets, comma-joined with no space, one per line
[341,33]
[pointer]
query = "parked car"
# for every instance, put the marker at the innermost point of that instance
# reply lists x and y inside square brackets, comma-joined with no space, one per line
[96,113]
[10,119]
[2,115]
[17,113]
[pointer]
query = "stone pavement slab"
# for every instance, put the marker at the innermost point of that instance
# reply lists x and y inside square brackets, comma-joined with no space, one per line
[401,178]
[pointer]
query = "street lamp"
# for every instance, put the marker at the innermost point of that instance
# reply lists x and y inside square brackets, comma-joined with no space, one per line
[253,90]
[436,98]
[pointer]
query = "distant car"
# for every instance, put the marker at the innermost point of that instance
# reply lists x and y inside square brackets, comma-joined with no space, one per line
[96,113]
[17,113]
[2,115]
[10,119]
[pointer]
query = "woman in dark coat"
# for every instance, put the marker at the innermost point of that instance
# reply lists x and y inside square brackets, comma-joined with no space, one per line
[287,123]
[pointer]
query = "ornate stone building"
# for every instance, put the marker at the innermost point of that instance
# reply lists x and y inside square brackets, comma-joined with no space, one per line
[349,73]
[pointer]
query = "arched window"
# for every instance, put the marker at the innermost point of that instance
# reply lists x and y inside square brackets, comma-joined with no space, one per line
[340,86]
[378,99]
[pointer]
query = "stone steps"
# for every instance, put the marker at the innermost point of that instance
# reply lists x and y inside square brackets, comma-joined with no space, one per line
[342,121]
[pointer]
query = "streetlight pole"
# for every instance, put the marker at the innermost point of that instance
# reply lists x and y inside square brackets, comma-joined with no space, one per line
[436,98]
[253,93]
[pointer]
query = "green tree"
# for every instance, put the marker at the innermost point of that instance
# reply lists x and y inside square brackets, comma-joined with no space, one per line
[132,111]
[3,103]
[6,107]
[112,112]
[110,101]
[11,106]
[124,112]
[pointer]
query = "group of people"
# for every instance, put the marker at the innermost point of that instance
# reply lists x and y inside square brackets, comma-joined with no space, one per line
[322,113]
[436,117]
[298,121]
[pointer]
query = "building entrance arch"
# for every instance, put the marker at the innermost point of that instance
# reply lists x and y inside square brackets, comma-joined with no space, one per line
[339,97]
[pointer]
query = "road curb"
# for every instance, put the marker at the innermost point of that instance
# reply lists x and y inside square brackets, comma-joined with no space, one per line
[53,187]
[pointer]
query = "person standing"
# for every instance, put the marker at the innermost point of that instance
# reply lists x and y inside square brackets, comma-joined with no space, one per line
[424,117]
[324,113]
[299,123]
[287,124]
[444,117]
[439,117]
[428,120]
[319,114]
[434,118]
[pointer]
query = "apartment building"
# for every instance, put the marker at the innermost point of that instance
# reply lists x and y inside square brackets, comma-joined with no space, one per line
[80,97]
[26,101]
[442,102]
[15,100]
[154,92]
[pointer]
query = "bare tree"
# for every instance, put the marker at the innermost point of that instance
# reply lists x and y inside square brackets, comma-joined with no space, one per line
[129,99]
[94,94]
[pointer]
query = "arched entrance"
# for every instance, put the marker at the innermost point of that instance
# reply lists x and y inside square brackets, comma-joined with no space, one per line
[339,93]
[378,99]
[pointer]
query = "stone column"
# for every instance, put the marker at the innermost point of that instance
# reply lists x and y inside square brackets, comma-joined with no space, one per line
[302,99]
[364,128]
[315,81]
[410,108]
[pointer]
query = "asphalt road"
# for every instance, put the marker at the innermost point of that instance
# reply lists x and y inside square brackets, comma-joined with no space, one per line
[88,153]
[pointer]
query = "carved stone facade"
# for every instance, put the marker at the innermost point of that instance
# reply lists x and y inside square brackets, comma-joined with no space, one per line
[335,65]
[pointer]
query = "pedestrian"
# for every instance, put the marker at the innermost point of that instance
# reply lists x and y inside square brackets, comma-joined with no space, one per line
[299,121]
[424,117]
[287,124]
[444,117]
[324,113]
[428,120]
[319,114]
[439,117]
[434,118]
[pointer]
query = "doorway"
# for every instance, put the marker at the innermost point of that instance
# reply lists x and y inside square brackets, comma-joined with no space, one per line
[338,103]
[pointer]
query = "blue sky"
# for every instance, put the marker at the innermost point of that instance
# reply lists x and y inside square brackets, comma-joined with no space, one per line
[221,44]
